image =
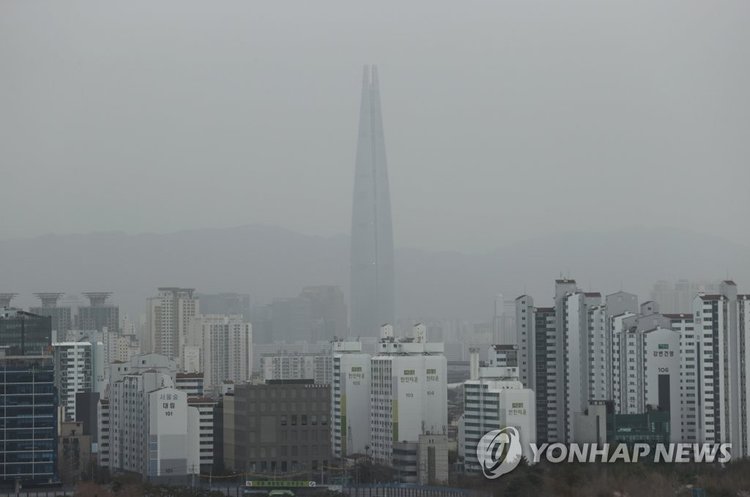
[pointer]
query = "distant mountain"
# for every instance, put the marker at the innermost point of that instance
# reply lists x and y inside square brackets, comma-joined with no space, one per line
[268,262]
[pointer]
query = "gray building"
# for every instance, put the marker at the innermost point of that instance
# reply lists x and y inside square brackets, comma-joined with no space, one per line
[424,462]
[227,303]
[372,274]
[62,316]
[276,428]
[98,314]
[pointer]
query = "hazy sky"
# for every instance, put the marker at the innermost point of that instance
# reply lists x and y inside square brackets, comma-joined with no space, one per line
[503,119]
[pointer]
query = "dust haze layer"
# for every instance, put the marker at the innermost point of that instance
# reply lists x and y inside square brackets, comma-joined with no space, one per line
[505,119]
[270,262]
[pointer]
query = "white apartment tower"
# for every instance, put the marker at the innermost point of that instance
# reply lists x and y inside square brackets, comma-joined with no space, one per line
[538,364]
[495,398]
[350,397]
[169,315]
[145,422]
[723,322]
[408,392]
[79,367]
[283,365]
[573,323]
[689,394]
[224,346]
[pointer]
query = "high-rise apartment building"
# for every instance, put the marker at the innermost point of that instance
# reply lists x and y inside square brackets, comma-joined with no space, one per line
[408,391]
[62,316]
[225,348]
[79,368]
[145,424]
[169,315]
[722,326]
[350,399]
[227,303]
[495,398]
[98,315]
[297,366]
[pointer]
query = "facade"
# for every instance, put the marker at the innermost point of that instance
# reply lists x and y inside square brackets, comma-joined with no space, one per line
[327,312]
[229,303]
[74,451]
[169,315]
[28,420]
[276,428]
[25,333]
[350,399]
[28,406]
[79,367]
[372,298]
[424,462]
[61,316]
[117,346]
[98,315]
[408,391]
[494,399]
[224,346]
[723,320]
[690,367]
[297,366]
[144,427]
[677,297]
[203,408]
[190,383]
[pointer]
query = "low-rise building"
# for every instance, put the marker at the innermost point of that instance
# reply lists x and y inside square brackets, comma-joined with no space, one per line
[282,426]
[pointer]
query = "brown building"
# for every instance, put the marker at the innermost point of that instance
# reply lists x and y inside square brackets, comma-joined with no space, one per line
[282,426]
[74,452]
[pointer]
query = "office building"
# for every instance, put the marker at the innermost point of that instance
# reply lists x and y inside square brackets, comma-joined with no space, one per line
[25,333]
[372,298]
[278,427]
[28,406]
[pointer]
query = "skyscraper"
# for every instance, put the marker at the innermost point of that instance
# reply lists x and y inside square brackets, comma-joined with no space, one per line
[169,315]
[372,280]
[99,314]
[28,405]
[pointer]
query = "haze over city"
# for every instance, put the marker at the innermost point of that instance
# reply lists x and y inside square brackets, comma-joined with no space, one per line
[398,249]
[504,120]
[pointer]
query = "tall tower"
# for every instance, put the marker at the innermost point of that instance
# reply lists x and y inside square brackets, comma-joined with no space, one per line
[371,271]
